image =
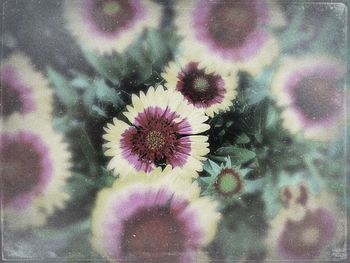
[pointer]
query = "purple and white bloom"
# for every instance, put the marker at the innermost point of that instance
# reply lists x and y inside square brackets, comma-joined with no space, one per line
[34,166]
[153,218]
[310,90]
[308,231]
[24,90]
[202,86]
[110,25]
[229,33]
[162,131]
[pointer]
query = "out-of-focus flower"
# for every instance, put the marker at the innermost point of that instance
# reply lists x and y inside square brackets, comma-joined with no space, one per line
[311,92]
[162,132]
[156,218]
[306,231]
[227,181]
[110,25]
[35,163]
[202,86]
[23,89]
[229,33]
[292,195]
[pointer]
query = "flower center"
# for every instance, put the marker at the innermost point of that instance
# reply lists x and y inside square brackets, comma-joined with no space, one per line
[112,15]
[200,88]
[201,84]
[10,100]
[228,183]
[232,22]
[317,98]
[311,236]
[153,235]
[155,140]
[20,165]
[111,8]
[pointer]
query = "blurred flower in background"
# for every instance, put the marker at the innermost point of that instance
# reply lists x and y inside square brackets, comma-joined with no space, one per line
[311,92]
[24,90]
[156,218]
[35,164]
[110,25]
[306,230]
[229,34]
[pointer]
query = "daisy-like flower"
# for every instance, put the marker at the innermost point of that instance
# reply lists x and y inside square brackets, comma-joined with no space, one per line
[311,92]
[306,232]
[229,33]
[201,86]
[153,218]
[110,25]
[227,181]
[34,166]
[23,89]
[162,132]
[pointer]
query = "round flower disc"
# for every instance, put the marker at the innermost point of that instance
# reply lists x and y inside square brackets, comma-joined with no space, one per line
[228,183]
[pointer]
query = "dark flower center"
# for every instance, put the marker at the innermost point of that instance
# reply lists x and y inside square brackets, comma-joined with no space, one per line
[228,183]
[231,22]
[153,236]
[200,88]
[20,166]
[10,100]
[156,138]
[317,98]
[112,15]
[306,238]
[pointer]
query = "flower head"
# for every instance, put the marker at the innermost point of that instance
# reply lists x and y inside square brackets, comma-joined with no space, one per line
[162,132]
[23,90]
[34,166]
[153,219]
[201,86]
[305,231]
[311,92]
[110,25]
[229,33]
[228,181]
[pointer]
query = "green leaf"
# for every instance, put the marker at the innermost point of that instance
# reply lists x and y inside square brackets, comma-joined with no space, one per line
[237,155]
[65,92]
[108,67]
[107,94]
[98,111]
[242,139]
